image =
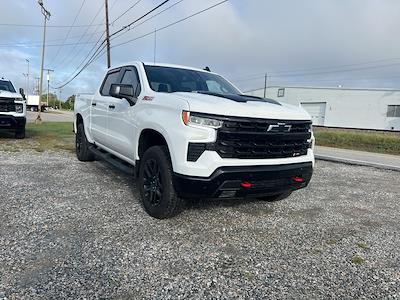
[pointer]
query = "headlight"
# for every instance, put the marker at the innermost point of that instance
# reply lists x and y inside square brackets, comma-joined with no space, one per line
[19,108]
[200,120]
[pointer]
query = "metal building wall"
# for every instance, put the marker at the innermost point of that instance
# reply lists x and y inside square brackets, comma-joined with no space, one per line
[347,108]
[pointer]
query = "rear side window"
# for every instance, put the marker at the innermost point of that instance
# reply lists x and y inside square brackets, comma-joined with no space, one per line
[110,79]
[131,77]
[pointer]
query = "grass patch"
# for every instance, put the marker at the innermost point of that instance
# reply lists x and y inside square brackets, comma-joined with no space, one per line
[358,259]
[48,136]
[362,246]
[364,141]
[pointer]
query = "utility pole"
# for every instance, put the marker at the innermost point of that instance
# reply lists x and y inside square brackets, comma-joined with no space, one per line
[46,15]
[265,85]
[26,81]
[107,36]
[48,84]
[27,84]
[37,84]
[60,97]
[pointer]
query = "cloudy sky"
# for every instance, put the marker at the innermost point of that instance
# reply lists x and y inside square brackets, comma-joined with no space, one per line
[353,43]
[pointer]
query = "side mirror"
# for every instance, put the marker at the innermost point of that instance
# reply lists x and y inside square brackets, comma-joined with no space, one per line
[22,92]
[123,91]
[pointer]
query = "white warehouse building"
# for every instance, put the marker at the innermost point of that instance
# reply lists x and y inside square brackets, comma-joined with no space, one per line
[377,109]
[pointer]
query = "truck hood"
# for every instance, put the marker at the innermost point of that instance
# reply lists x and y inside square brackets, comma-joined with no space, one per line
[7,94]
[242,106]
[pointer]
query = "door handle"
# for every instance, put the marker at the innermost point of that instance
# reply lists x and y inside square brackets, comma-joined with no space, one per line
[94,104]
[112,106]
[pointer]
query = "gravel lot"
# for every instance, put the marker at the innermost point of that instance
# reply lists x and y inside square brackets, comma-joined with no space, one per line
[77,230]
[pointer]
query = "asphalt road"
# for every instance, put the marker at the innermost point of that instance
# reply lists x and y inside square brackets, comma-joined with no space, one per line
[77,230]
[55,116]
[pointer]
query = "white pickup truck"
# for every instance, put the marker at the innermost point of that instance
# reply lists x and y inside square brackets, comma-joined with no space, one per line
[190,133]
[12,109]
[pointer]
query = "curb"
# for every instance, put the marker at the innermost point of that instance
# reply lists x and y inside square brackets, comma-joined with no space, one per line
[357,162]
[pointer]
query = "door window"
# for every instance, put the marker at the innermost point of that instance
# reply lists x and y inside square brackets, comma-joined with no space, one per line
[110,79]
[131,77]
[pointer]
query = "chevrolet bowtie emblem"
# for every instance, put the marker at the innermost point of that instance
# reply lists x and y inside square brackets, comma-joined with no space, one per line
[280,127]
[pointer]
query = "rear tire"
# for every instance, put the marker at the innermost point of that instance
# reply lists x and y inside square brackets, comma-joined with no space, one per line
[277,197]
[158,195]
[20,133]
[82,145]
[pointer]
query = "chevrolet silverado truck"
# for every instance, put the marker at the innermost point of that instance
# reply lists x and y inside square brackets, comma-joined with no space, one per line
[12,109]
[190,133]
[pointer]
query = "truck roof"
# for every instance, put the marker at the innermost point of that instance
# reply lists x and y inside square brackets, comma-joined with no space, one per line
[161,65]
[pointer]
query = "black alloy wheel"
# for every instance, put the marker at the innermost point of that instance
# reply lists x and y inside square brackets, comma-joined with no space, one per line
[155,182]
[152,182]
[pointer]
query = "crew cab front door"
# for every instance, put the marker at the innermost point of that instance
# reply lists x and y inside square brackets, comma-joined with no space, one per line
[99,109]
[121,116]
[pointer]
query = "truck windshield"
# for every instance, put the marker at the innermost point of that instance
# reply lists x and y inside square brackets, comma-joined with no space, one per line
[6,86]
[170,80]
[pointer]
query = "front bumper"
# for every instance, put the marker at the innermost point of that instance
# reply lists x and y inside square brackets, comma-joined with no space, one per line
[245,181]
[12,122]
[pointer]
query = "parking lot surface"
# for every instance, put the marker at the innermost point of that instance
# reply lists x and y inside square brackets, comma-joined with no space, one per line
[77,230]
[52,116]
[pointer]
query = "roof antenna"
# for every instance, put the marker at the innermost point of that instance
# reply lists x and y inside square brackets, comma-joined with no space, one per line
[207,69]
[155,44]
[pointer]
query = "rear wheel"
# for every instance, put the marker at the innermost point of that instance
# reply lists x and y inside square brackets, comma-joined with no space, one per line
[276,197]
[82,145]
[155,183]
[20,133]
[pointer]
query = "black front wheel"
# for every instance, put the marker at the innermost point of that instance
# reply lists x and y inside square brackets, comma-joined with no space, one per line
[82,145]
[20,133]
[155,183]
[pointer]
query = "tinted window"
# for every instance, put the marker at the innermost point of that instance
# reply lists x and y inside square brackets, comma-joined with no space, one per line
[169,80]
[131,77]
[6,86]
[110,79]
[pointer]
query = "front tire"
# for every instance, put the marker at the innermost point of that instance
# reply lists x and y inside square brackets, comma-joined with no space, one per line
[20,133]
[82,145]
[158,195]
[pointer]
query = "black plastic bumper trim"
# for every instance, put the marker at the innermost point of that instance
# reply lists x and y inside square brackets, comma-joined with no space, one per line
[11,122]
[265,180]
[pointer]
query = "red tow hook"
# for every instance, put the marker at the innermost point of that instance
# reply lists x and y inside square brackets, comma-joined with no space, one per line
[246,184]
[298,179]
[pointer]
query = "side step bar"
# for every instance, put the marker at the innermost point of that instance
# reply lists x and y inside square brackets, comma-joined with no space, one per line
[113,160]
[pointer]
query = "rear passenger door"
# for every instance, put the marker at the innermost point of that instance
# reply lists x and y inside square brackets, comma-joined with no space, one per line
[121,118]
[100,109]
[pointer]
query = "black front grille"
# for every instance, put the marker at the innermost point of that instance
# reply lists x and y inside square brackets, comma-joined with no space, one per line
[7,107]
[250,138]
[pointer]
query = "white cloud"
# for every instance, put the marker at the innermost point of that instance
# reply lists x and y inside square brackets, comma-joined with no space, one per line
[237,39]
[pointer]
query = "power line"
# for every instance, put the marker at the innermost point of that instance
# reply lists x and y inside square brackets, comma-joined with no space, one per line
[322,73]
[140,18]
[125,12]
[51,26]
[21,44]
[70,53]
[51,45]
[171,24]
[152,17]
[68,33]
[291,73]
[95,32]
[100,50]
[79,69]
